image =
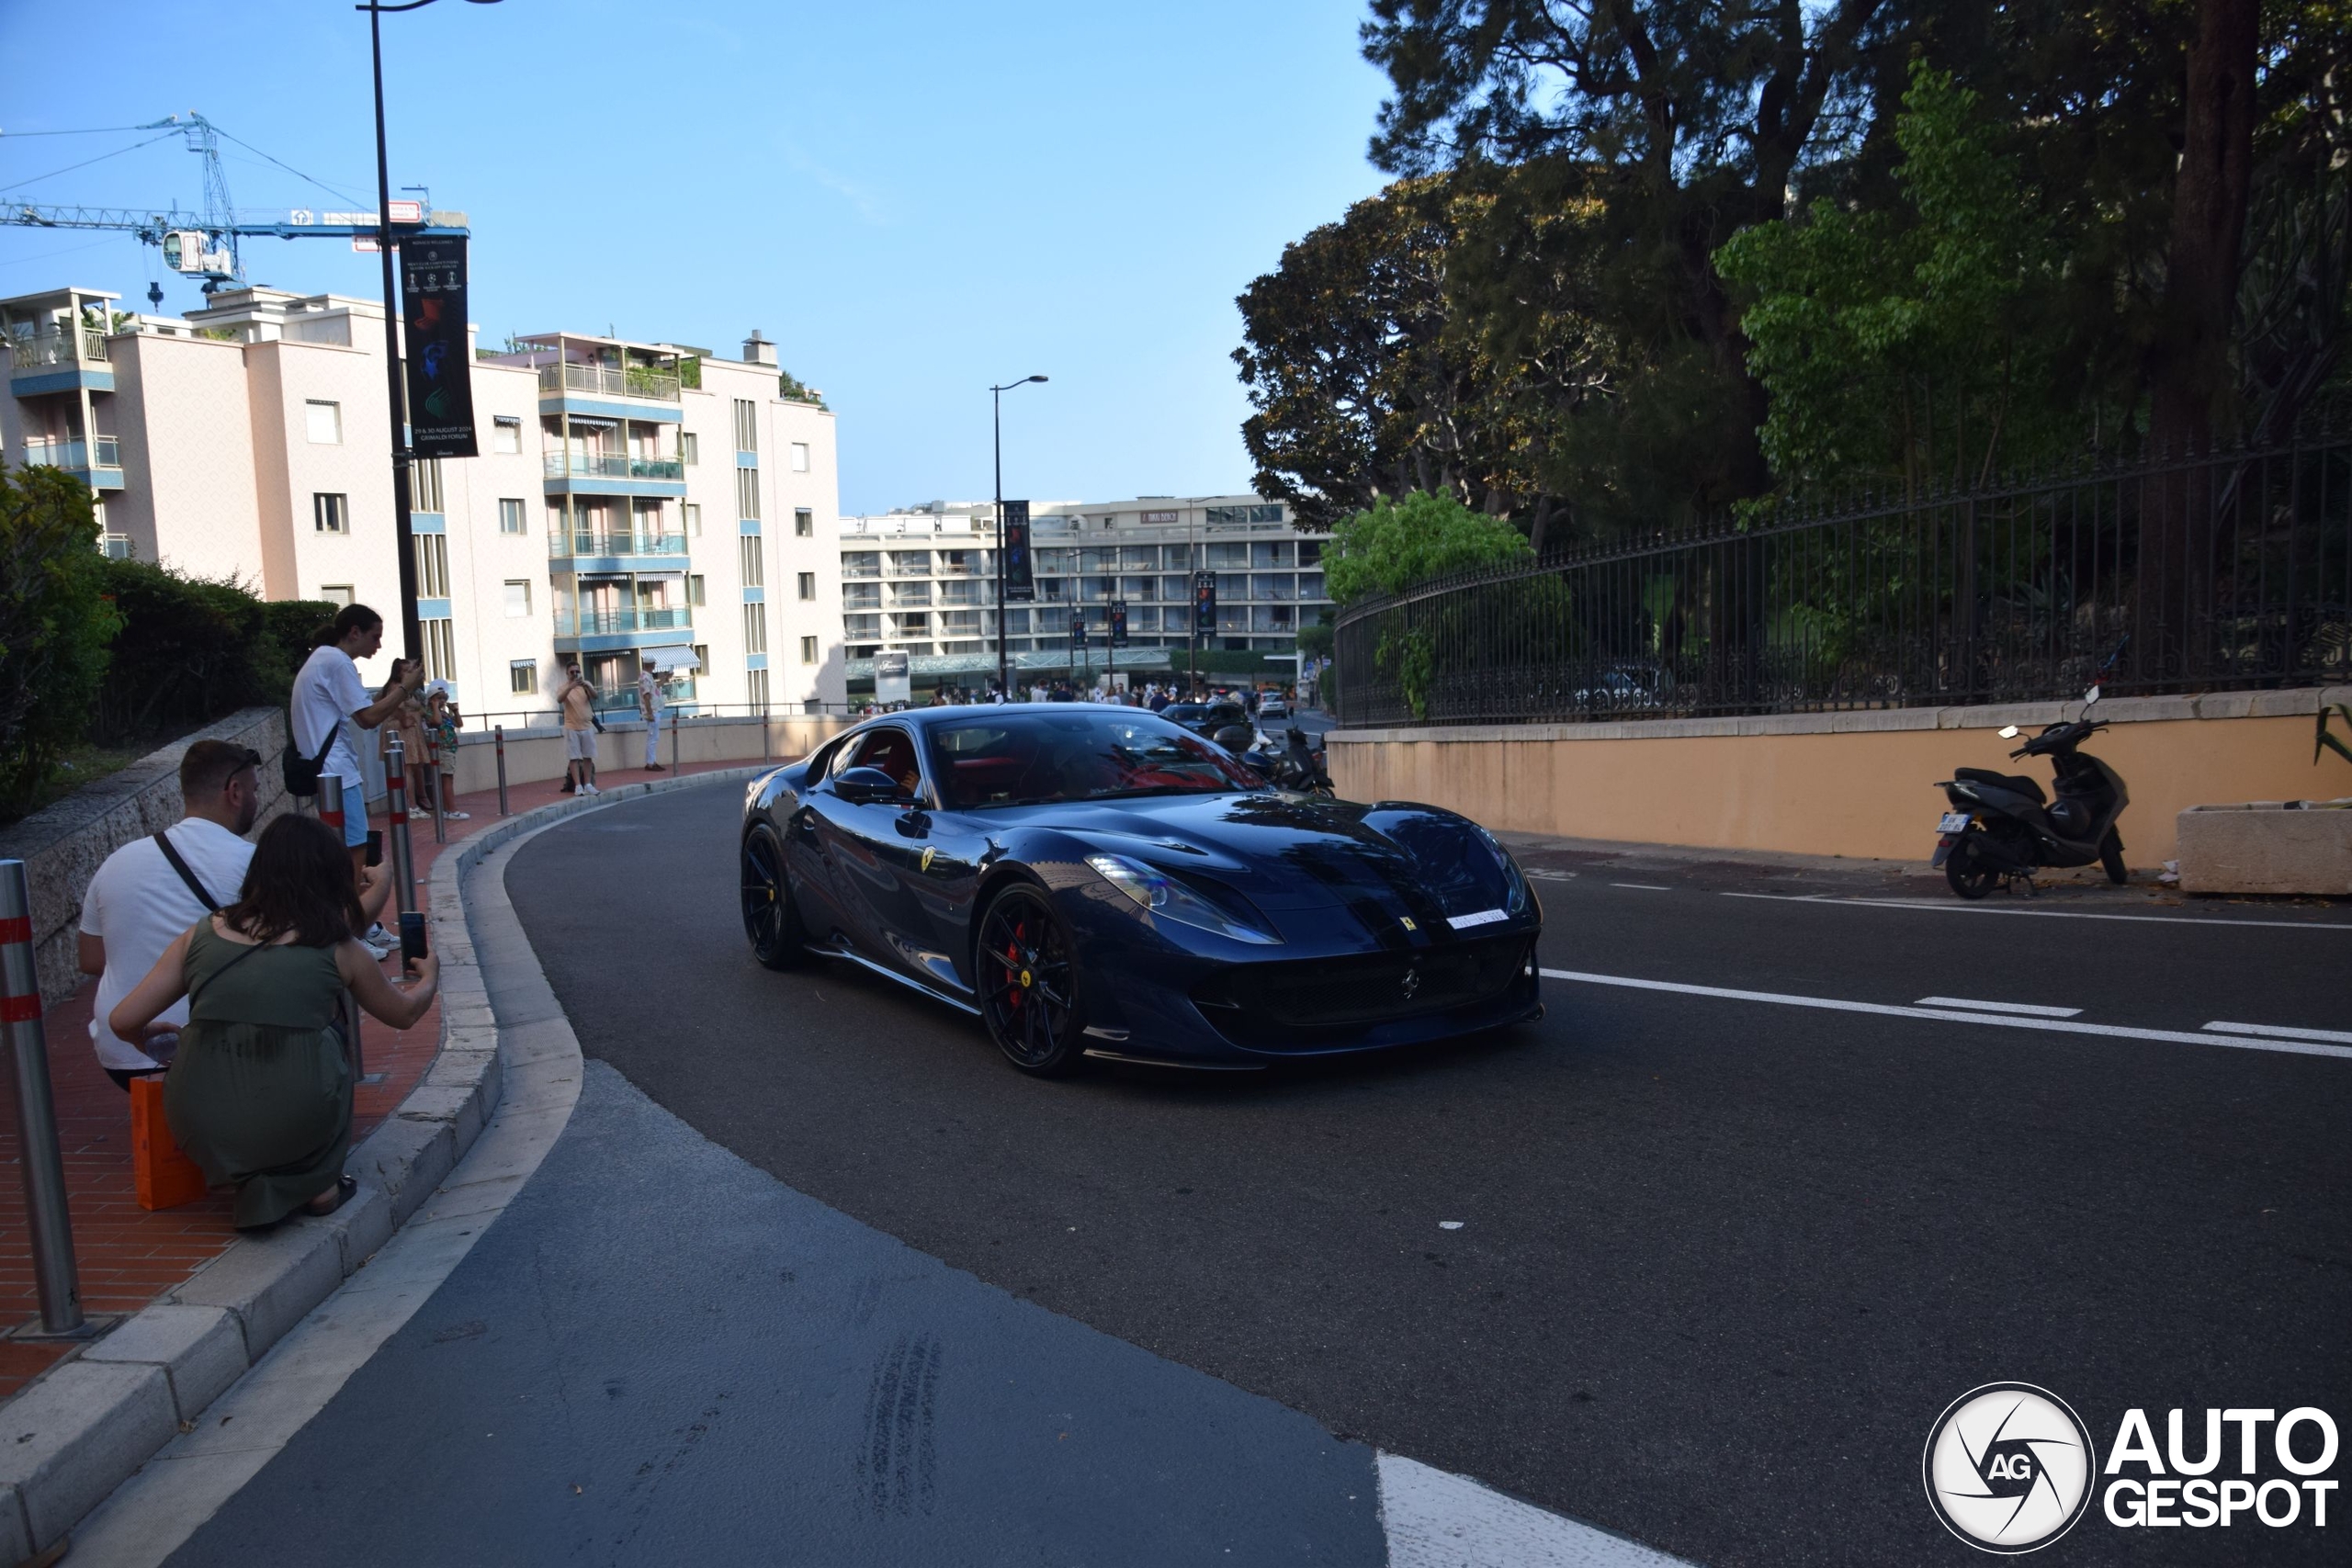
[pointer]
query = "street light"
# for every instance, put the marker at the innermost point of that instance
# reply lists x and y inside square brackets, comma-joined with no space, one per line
[403,530]
[996,400]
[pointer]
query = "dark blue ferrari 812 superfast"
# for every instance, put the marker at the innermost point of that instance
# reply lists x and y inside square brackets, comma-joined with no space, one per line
[1095,881]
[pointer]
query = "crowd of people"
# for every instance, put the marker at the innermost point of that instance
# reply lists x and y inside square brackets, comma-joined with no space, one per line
[223,964]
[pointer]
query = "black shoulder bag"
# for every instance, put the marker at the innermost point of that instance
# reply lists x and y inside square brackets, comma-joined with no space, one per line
[302,772]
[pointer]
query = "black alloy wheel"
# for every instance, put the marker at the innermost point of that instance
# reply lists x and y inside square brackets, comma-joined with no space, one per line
[2111,858]
[1029,984]
[1970,876]
[770,918]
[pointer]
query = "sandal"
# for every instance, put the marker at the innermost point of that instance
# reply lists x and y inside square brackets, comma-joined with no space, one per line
[344,1186]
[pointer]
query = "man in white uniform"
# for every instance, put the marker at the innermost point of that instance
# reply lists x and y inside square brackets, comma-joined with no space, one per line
[330,699]
[139,902]
[649,709]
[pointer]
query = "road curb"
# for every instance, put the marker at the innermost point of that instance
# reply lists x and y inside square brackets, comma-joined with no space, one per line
[75,1434]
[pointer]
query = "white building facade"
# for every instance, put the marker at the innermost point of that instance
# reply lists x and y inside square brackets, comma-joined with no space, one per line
[631,504]
[922,580]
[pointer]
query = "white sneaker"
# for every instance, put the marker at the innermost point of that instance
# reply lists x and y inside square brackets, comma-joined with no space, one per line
[379,941]
[458,816]
[590,789]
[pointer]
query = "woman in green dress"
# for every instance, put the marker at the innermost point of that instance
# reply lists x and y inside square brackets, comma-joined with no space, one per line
[260,1093]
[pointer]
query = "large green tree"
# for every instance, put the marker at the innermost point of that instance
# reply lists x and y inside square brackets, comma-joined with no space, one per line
[56,625]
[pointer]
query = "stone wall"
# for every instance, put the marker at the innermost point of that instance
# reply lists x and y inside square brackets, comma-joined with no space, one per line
[63,845]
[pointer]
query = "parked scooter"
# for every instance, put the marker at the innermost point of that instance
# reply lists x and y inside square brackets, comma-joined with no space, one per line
[2001,829]
[1296,765]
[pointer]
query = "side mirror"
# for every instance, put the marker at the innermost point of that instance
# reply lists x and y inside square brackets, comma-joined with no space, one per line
[2091,695]
[863,786]
[2008,732]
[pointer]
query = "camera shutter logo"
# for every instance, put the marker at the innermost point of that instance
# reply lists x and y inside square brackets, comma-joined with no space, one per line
[2009,1468]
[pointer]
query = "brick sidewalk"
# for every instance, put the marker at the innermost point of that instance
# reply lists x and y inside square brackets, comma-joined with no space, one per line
[127,1255]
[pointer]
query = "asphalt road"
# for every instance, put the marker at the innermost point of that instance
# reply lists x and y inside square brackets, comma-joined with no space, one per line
[1720,1261]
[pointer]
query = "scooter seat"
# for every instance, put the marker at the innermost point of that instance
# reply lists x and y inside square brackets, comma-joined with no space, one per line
[2020,782]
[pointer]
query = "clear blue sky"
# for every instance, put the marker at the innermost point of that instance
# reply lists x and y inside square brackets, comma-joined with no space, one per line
[914,199]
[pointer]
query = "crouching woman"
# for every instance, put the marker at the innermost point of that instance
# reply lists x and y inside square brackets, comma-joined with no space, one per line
[260,1093]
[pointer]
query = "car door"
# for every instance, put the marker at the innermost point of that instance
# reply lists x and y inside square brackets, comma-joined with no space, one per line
[875,849]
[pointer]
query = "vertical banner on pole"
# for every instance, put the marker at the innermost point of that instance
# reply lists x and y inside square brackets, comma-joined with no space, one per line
[1205,602]
[1019,574]
[439,364]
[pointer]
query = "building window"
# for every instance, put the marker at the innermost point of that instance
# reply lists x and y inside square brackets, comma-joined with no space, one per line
[331,513]
[808,651]
[117,546]
[425,485]
[747,426]
[702,654]
[693,520]
[804,522]
[523,675]
[323,423]
[757,680]
[747,494]
[506,436]
[755,629]
[518,597]
[749,549]
[432,565]
[695,590]
[440,649]
[337,593]
[511,517]
[689,446]
[807,585]
[800,457]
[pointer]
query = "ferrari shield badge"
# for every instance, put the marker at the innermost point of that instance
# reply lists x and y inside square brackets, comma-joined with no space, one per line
[930,852]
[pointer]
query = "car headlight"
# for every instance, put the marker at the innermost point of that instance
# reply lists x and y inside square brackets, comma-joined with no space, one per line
[1170,900]
[1512,877]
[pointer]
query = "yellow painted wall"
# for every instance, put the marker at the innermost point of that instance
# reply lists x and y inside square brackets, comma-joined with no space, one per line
[1865,794]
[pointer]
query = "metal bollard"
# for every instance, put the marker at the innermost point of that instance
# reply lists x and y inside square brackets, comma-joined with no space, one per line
[766,748]
[673,739]
[330,799]
[396,824]
[433,772]
[45,1212]
[498,738]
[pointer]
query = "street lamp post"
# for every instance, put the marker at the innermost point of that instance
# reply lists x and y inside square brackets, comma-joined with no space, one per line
[996,401]
[403,526]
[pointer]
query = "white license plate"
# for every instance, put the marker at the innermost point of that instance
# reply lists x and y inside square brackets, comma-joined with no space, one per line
[1952,822]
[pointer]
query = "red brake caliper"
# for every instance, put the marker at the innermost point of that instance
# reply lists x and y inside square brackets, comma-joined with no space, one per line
[1013,958]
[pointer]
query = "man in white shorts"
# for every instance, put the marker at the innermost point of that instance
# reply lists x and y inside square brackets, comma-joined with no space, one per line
[578,701]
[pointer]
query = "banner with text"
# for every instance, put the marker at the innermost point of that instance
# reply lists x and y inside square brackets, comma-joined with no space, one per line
[440,365]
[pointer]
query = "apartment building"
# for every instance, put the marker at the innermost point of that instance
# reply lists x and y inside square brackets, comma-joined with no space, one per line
[632,503]
[922,580]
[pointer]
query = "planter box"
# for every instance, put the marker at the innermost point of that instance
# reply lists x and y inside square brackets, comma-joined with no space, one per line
[2266,846]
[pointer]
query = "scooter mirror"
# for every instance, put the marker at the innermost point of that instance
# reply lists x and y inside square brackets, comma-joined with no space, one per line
[2008,732]
[2091,695]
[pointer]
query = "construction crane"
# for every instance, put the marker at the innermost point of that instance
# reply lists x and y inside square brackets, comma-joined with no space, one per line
[205,244]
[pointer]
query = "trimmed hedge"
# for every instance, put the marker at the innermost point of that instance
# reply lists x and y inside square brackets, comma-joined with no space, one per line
[192,650]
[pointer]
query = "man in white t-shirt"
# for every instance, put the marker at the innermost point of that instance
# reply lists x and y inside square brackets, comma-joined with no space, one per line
[649,709]
[329,698]
[138,903]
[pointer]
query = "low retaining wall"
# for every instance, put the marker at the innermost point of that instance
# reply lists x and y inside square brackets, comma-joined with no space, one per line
[63,845]
[538,753]
[1838,783]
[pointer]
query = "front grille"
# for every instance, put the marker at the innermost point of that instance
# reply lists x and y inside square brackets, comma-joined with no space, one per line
[1315,998]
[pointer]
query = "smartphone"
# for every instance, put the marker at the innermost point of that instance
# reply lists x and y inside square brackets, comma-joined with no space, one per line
[375,846]
[411,936]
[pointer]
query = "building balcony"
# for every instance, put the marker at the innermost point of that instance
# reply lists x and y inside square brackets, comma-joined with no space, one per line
[606,381]
[59,361]
[601,623]
[584,544]
[97,463]
[598,465]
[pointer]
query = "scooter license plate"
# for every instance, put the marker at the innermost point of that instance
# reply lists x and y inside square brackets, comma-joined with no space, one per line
[1952,822]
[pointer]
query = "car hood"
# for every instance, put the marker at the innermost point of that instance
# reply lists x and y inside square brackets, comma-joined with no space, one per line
[1298,852]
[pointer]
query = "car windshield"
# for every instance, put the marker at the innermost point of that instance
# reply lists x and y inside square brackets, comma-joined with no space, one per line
[1028,758]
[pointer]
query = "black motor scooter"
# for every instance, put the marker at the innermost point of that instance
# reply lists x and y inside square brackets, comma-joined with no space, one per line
[2000,830]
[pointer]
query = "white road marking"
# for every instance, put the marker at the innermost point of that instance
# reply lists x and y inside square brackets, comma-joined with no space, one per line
[2026,1008]
[2335,1036]
[1436,1519]
[2003,1019]
[1959,909]
[1645,886]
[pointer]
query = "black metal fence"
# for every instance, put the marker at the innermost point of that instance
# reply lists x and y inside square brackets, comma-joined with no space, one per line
[2225,572]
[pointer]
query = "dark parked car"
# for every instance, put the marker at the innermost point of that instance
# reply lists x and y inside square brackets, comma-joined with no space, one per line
[1096,881]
